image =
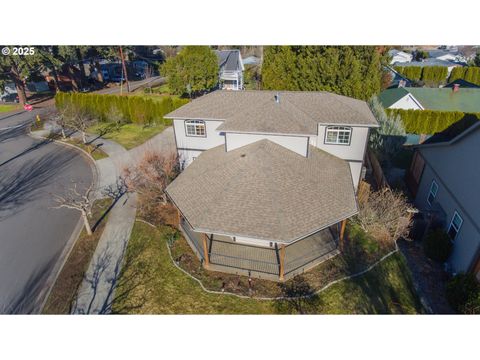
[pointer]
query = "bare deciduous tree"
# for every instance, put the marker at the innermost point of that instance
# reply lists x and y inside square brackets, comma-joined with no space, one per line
[78,119]
[385,214]
[77,201]
[150,177]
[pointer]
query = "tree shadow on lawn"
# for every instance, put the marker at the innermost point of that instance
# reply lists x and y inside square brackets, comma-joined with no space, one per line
[128,276]
[300,298]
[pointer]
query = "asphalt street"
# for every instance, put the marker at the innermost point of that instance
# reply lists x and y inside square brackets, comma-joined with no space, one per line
[32,233]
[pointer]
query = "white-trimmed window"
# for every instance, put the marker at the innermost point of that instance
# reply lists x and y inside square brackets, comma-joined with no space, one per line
[339,135]
[433,192]
[455,225]
[195,128]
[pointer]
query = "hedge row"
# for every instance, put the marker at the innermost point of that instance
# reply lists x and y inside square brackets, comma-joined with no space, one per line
[429,121]
[428,74]
[438,74]
[133,109]
[470,73]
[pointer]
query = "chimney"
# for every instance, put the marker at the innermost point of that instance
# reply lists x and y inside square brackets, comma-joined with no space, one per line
[277,98]
[455,88]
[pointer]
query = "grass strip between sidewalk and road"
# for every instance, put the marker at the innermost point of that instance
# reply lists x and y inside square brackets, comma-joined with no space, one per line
[65,288]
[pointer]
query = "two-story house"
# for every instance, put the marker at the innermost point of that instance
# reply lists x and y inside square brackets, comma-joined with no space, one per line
[269,177]
[444,178]
[230,72]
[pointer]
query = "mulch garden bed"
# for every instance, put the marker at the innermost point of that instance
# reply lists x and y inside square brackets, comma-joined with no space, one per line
[359,253]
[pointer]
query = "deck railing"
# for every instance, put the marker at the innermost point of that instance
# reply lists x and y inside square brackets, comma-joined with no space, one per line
[268,261]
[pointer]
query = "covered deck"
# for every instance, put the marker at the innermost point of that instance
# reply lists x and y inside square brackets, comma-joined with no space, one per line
[278,262]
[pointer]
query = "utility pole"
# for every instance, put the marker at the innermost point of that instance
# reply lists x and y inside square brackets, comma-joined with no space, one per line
[124,69]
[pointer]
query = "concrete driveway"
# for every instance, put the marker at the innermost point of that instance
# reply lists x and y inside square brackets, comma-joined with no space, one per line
[33,235]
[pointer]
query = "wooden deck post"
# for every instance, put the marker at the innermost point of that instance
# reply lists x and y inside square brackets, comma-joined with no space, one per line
[282,262]
[206,262]
[342,234]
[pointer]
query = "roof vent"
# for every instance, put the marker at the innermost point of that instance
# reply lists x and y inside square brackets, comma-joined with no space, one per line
[277,98]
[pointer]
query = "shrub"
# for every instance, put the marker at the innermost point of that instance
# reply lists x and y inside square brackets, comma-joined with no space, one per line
[468,73]
[384,214]
[434,75]
[429,121]
[463,294]
[458,72]
[437,245]
[390,136]
[134,109]
[411,72]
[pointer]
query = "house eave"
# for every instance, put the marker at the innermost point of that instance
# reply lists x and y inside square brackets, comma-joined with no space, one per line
[285,242]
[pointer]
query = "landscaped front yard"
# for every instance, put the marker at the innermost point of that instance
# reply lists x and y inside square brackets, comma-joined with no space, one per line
[151,284]
[127,135]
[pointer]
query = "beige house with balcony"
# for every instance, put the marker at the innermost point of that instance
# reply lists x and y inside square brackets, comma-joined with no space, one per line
[269,178]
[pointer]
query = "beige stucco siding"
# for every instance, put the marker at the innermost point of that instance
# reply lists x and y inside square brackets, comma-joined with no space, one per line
[213,138]
[353,151]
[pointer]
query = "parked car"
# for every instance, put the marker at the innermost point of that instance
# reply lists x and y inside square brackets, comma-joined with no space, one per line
[13,97]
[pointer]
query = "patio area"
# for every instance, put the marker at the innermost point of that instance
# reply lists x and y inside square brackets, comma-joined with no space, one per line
[229,256]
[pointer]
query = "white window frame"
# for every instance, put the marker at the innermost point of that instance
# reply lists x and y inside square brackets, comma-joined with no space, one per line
[195,125]
[338,130]
[433,192]
[452,224]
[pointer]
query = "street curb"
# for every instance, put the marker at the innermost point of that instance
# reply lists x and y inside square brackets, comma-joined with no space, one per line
[52,279]
[93,162]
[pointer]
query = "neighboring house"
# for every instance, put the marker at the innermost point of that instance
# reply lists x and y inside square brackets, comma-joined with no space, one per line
[461,83]
[432,62]
[452,55]
[230,69]
[444,99]
[270,177]
[252,60]
[398,80]
[399,57]
[444,177]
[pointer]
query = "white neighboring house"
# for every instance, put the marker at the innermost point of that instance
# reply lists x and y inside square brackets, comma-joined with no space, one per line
[399,98]
[230,69]
[335,124]
[399,56]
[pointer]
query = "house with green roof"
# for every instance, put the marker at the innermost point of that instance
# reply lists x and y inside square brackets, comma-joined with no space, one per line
[442,99]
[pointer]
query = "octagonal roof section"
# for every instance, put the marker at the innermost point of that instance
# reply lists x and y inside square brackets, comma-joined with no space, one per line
[286,112]
[264,191]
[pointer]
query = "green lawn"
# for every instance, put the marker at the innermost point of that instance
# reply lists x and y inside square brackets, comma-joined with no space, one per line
[96,152]
[151,284]
[8,107]
[129,135]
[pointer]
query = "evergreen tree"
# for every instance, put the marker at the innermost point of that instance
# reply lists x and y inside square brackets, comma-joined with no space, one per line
[347,70]
[193,70]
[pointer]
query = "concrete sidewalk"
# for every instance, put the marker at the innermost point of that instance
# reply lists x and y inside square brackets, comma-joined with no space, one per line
[97,290]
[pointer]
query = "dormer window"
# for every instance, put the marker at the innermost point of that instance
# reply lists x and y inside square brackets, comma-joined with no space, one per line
[195,128]
[338,135]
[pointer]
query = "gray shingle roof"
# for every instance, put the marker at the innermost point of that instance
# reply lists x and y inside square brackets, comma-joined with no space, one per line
[303,109]
[229,60]
[264,191]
